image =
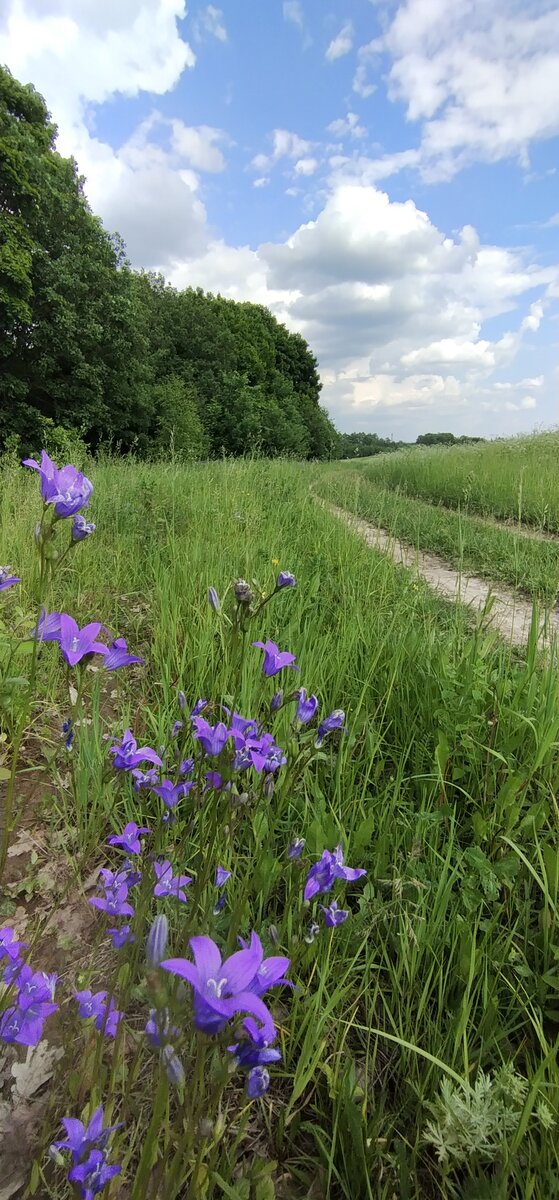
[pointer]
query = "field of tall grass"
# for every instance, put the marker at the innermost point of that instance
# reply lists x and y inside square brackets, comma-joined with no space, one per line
[417,1036]
[472,545]
[515,479]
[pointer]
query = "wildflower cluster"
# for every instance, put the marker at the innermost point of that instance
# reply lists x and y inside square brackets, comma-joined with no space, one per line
[187,801]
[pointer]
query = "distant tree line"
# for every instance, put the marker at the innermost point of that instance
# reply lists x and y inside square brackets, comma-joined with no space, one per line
[363,445]
[445,439]
[120,357]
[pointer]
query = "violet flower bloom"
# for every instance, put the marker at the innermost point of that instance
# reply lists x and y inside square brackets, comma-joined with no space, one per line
[23,1022]
[81,528]
[106,1014]
[257,1053]
[121,937]
[212,738]
[264,754]
[64,487]
[215,780]
[334,916]
[117,656]
[159,1029]
[93,1174]
[75,643]
[169,884]
[258,1082]
[7,580]
[295,848]
[306,708]
[285,580]
[171,792]
[221,876]
[270,972]
[174,1069]
[144,778]
[324,873]
[213,599]
[114,903]
[186,766]
[127,755]
[9,946]
[47,470]
[274,659]
[334,721]
[129,839]
[240,728]
[48,627]
[156,943]
[127,873]
[222,989]
[80,1139]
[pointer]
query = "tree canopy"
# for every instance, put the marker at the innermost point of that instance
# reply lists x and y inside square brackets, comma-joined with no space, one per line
[121,357]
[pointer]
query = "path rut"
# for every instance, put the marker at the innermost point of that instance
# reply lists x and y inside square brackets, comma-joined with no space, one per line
[509,614]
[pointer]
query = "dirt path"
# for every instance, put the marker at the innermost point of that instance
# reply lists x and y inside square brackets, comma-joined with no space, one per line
[510,614]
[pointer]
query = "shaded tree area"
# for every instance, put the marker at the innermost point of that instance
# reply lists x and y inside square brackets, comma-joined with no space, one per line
[121,358]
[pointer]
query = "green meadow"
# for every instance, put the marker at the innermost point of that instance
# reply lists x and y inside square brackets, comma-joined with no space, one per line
[419,1044]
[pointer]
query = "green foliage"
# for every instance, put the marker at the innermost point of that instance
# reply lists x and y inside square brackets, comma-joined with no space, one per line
[122,358]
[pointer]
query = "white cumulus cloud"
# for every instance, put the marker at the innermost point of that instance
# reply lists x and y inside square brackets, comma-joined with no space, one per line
[341,44]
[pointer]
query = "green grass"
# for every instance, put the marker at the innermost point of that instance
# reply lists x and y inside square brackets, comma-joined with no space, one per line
[444,788]
[470,544]
[514,480]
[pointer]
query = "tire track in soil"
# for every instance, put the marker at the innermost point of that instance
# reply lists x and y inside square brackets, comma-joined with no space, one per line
[510,615]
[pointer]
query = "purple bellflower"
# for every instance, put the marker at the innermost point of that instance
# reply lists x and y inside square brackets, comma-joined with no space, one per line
[198,707]
[334,721]
[223,989]
[285,580]
[121,937]
[75,643]
[274,659]
[213,599]
[7,580]
[159,1029]
[221,876]
[81,528]
[9,946]
[129,839]
[117,656]
[80,1139]
[65,487]
[258,1082]
[169,884]
[95,1005]
[307,708]
[156,943]
[93,1174]
[324,873]
[47,471]
[48,627]
[171,793]
[295,848]
[115,902]
[212,738]
[127,755]
[334,916]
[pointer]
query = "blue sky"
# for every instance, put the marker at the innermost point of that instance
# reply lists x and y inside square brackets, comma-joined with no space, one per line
[382,174]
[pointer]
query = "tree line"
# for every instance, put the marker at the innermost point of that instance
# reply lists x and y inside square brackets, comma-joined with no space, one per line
[119,357]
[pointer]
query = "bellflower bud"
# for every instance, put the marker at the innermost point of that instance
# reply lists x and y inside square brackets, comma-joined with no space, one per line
[156,944]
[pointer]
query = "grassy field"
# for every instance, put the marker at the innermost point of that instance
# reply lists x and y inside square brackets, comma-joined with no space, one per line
[419,1045]
[471,544]
[514,480]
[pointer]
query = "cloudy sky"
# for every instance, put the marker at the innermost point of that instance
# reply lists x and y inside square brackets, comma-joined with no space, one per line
[384,174]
